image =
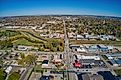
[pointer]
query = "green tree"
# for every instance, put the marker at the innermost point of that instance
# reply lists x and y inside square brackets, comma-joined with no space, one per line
[27,60]
[54,43]
[2,75]
[22,60]
[1,63]
[41,48]
[22,55]
[14,76]
[59,48]
[47,45]
[30,59]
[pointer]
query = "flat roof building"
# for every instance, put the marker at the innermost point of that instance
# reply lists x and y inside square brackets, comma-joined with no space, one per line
[88,57]
[92,77]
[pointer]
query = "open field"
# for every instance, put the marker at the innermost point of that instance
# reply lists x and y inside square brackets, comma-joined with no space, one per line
[8,33]
[28,38]
[23,41]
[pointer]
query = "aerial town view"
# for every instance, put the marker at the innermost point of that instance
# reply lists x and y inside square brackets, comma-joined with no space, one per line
[60,40]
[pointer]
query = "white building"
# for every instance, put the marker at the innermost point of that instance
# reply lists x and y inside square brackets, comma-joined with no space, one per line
[109,56]
[24,48]
[8,70]
[45,63]
[13,27]
[114,63]
[81,49]
[79,37]
[45,35]
[72,35]
[107,37]
[88,57]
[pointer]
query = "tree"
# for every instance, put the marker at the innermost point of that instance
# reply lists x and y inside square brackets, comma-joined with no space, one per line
[27,60]
[5,44]
[55,43]
[60,48]
[1,63]
[2,75]
[14,76]
[22,55]
[41,48]
[30,59]
[47,45]
[54,49]
[22,60]
[52,56]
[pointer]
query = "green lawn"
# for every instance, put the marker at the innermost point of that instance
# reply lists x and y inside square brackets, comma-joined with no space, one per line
[28,35]
[23,41]
[33,36]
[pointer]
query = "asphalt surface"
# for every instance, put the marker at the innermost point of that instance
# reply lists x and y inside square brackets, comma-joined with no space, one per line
[68,54]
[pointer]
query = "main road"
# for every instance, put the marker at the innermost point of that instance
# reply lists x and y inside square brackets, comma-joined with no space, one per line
[67,54]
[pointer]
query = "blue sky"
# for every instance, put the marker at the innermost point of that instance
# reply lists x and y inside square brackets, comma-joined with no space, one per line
[74,7]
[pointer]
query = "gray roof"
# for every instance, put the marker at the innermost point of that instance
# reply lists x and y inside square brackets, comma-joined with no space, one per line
[87,61]
[92,77]
[118,61]
[85,77]
[96,77]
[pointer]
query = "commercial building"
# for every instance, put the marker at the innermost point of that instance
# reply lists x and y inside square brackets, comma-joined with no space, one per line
[79,37]
[45,63]
[8,70]
[92,77]
[107,75]
[118,61]
[113,62]
[88,57]
[99,48]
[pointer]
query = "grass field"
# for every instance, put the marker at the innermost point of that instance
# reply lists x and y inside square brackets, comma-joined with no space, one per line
[8,33]
[23,41]
[33,36]
[29,39]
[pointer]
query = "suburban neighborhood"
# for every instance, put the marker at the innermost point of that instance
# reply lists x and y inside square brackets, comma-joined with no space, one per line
[60,48]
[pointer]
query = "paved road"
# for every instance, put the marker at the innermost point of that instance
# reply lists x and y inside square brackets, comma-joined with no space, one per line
[88,70]
[68,55]
[109,66]
[37,52]
[3,55]
[24,75]
[66,50]
[81,70]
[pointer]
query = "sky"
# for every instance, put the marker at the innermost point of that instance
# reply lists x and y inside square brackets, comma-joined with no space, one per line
[60,7]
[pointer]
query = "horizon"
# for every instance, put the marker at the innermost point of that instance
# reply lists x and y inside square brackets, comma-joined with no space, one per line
[53,7]
[60,15]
